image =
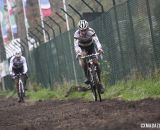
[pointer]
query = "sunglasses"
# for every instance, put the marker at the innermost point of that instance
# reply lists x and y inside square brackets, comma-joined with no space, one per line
[83,30]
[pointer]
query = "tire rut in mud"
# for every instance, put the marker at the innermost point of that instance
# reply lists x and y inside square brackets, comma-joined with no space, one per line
[78,114]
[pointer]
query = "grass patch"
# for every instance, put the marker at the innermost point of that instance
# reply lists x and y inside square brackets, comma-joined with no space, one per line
[130,90]
[39,92]
[8,93]
[134,90]
[42,94]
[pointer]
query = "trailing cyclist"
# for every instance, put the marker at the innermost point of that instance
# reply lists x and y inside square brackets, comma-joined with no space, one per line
[85,43]
[18,65]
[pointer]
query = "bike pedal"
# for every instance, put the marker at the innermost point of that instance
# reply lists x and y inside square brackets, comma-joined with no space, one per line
[87,82]
[19,100]
[88,87]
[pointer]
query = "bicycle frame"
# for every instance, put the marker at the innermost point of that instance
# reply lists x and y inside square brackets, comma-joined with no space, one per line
[20,89]
[92,70]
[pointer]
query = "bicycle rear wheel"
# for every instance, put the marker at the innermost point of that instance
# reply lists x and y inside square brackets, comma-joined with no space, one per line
[99,92]
[94,92]
[95,84]
[21,92]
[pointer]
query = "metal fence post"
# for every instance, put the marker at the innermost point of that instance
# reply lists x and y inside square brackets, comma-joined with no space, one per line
[119,37]
[50,28]
[133,34]
[25,43]
[45,31]
[69,16]
[31,33]
[100,5]
[81,17]
[21,43]
[152,33]
[69,37]
[60,16]
[88,6]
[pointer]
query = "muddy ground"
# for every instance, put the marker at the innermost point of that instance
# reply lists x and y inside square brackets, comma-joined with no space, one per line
[78,114]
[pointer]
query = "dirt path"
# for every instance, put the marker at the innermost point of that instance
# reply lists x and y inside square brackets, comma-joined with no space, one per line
[78,115]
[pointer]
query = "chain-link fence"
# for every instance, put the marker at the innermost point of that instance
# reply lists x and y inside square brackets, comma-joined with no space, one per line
[130,37]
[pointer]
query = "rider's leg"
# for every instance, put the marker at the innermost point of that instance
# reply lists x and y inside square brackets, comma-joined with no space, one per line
[84,67]
[17,88]
[87,81]
[98,71]
[16,82]
[25,77]
[15,71]
[99,75]
[98,68]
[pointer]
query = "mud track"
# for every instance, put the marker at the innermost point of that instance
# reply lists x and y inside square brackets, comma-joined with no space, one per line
[78,114]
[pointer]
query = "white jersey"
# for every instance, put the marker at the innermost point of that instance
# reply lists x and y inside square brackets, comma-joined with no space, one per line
[13,63]
[85,41]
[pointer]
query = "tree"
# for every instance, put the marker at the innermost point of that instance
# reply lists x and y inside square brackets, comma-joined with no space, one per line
[157,31]
[2,49]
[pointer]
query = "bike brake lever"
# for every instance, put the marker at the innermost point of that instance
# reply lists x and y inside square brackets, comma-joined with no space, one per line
[101,56]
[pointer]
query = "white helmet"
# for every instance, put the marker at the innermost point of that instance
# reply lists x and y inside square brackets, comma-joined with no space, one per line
[82,24]
[18,53]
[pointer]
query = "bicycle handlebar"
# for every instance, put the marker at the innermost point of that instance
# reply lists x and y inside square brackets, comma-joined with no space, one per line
[96,54]
[17,75]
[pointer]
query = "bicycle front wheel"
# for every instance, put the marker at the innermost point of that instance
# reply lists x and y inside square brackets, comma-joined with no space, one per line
[21,92]
[97,85]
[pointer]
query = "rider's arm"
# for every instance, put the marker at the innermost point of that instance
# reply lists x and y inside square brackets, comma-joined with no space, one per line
[76,46]
[92,33]
[76,43]
[96,40]
[25,65]
[11,65]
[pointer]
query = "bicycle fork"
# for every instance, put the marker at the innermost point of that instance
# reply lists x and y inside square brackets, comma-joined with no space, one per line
[21,92]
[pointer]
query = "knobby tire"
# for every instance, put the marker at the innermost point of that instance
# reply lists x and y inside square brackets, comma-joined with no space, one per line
[21,92]
[95,86]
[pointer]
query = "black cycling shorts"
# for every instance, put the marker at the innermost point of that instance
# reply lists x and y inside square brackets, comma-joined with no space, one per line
[18,70]
[89,50]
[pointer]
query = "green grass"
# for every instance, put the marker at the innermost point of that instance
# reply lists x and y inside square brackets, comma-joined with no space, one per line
[134,90]
[7,93]
[130,90]
[42,93]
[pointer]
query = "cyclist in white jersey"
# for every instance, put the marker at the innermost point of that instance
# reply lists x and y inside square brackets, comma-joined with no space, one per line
[18,65]
[86,42]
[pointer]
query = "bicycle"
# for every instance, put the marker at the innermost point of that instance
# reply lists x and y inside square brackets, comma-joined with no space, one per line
[93,76]
[20,87]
